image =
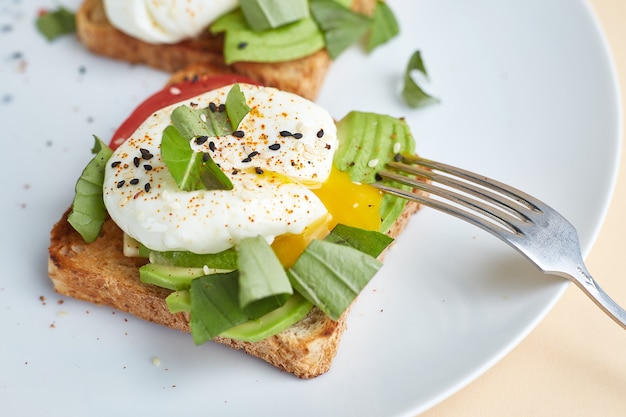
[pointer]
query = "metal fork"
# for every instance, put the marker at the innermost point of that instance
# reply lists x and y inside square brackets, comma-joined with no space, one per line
[530,226]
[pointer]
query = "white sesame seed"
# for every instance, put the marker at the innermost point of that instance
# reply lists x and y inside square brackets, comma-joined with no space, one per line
[372,163]
[397,147]
[175,90]
[203,117]
[156,361]
[206,270]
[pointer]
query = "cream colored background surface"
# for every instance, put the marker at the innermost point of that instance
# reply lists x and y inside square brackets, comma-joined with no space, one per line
[574,363]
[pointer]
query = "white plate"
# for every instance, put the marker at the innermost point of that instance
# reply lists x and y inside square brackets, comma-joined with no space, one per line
[528,96]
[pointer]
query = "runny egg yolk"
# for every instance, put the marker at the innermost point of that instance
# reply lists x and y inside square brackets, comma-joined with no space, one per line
[347,202]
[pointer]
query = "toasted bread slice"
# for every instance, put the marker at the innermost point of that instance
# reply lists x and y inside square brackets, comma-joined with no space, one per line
[99,273]
[302,76]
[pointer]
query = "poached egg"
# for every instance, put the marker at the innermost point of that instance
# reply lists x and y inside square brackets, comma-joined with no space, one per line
[286,145]
[165,21]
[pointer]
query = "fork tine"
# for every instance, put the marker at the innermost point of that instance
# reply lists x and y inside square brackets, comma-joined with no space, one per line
[536,230]
[522,198]
[503,220]
[505,205]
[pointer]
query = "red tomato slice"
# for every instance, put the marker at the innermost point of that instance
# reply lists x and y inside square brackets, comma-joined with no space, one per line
[169,95]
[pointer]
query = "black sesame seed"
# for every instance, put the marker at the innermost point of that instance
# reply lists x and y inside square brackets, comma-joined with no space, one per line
[145,154]
[252,154]
[120,184]
[275,146]
[205,157]
[212,107]
[195,78]
[378,177]
[248,159]
[258,170]
[115,163]
[285,133]
[397,157]
[134,181]
[297,135]
[221,107]
[148,167]
[320,133]
[242,45]
[147,187]
[136,161]
[238,133]
[212,146]
[201,139]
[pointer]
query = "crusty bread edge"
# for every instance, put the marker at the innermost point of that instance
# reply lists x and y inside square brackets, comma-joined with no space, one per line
[303,76]
[99,273]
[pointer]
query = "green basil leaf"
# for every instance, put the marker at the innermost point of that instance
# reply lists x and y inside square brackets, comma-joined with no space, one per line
[88,209]
[412,93]
[367,241]
[214,306]
[194,123]
[236,106]
[384,26]
[56,23]
[341,26]
[262,278]
[269,14]
[330,275]
[191,170]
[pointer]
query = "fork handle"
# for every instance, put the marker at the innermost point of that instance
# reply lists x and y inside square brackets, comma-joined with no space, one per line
[583,279]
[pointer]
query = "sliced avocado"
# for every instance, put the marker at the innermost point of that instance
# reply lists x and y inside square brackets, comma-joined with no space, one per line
[179,301]
[171,277]
[285,43]
[223,260]
[368,141]
[294,310]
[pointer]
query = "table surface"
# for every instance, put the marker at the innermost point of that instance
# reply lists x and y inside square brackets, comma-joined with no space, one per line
[574,362]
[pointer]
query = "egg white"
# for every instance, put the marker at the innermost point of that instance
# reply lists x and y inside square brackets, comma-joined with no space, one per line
[269,197]
[165,21]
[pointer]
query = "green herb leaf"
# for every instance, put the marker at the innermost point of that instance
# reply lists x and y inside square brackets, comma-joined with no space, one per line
[262,278]
[384,26]
[194,123]
[341,26]
[214,306]
[225,260]
[367,241]
[330,275]
[236,106]
[286,43]
[269,14]
[88,210]
[412,94]
[191,170]
[56,23]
